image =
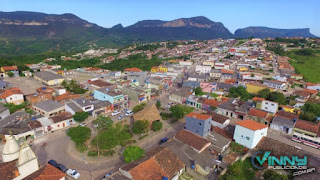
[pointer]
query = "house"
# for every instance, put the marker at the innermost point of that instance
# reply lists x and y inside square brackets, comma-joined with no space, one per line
[309,129]
[159,163]
[4,111]
[137,94]
[47,172]
[84,104]
[61,120]
[234,108]
[97,83]
[159,69]
[197,77]
[150,113]
[268,106]
[13,95]
[12,69]
[72,108]
[220,141]
[101,107]
[48,108]
[155,82]
[290,109]
[219,120]
[133,69]
[114,96]
[48,78]
[283,124]
[275,84]
[191,84]
[196,142]
[185,63]
[180,95]
[199,124]
[18,161]
[259,116]
[215,74]
[203,69]
[208,87]
[4,84]
[212,104]
[304,94]
[249,133]
[194,101]
[42,94]
[312,86]
[226,74]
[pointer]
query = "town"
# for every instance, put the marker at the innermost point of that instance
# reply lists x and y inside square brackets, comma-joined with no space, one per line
[179,110]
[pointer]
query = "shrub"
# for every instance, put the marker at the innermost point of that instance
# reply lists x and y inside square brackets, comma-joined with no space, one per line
[139,107]
[80,116]
[140,127]
[108,153]
[156,125]
[132,153]
[92,153]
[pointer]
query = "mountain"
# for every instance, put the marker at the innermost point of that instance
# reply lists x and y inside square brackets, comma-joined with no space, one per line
[200,28]
[264,32]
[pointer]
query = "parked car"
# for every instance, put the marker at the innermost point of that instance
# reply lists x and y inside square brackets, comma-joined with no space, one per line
[82,124]
[73,173]
[53,163]
[121,117]
[106,176]
[114,113]
[163,140]
[168,106]
[62,168]
[129,113]
[125,110]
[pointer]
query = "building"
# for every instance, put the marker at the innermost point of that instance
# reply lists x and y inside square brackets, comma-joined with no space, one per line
[307,129]
[283,124]
[114,96]
[48,108]
[47,172]
[219,120]
[199,124]
[159,163]
[13,95]
[198,143]
[208,87]
[48,78]
[97,83]
[249,133]
[137,94]
[268,106]
[203,69]
[12,69]
[275,84]
[180,95]
[61,120]
[4,112]
[18,161]
[84,104]
[133,69]
[259,116]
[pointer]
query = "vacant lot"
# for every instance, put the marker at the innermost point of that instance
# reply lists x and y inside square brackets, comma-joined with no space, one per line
[308,66]
[28,85]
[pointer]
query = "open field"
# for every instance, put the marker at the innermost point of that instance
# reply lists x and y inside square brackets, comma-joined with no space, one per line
[308,66]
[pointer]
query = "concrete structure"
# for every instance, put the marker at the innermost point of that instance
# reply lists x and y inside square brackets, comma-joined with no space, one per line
[282,124]
[49,108]
[249,133]
[268,106]
[13,95]
[199,124]
[48,78]
[203,69]
[4,112]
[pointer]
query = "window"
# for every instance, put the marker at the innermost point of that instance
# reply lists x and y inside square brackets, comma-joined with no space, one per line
[199,124]
[267,103]
[272,104]
[265,107]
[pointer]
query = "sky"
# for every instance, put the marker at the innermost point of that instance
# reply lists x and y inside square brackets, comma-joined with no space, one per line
[233,14]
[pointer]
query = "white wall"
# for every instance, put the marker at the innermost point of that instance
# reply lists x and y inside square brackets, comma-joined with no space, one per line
[269,106]
[247,137]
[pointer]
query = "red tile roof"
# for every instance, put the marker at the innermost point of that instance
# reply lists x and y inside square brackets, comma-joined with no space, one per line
[199,116]
[192,139]
[47,172]
[10,68]
[258,99]
[308,126]
[218,117]
[61,117]
[133,69]
[66,96]
[148,170]
[258,113]
[10,92]
[9,170]
[252,125]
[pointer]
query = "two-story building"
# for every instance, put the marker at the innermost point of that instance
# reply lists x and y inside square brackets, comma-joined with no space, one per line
[198,123]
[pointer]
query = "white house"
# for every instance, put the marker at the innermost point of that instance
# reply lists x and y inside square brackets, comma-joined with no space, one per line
[249,133]
[203,69]
[275,84]
[185,63]
[219,120]
[13,95]
[269,106]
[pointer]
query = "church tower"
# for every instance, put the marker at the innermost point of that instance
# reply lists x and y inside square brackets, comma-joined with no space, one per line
[11,149]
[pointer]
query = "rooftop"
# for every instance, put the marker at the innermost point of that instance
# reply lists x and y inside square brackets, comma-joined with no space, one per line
[191,139]
[252,125]
[48,105]
[199,116]
[308,126]
[10,92]
[47,76]
[61,117]
[47,172]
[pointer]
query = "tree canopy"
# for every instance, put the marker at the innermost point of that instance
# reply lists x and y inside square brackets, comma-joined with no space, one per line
[179,111]
[132,153]
[139,107]
[73,86]
[156,125]
[103,122]
[79,135]
[272,175]
[80,116]
[140,126]
[239,91]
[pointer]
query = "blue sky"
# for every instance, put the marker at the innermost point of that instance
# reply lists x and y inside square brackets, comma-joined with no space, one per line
[233,14]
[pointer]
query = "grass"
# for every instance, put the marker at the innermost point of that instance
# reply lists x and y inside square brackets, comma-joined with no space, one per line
[308,66]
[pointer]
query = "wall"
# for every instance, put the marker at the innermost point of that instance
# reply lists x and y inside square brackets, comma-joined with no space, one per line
[102,96]
[15,99]
[269,106]
[198,126]
[247,137]
[4,114]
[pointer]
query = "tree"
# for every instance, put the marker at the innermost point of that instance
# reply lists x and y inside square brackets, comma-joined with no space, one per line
[277,97]
[140,126]
[177,111]
[158,104]
[156,125]
[132,153]
[272,175]
[80,116]
[79,135]
[198,91]
[103,122]
[264,93]
[309,116]
[139,107]
[10,74]
[239,92]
